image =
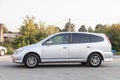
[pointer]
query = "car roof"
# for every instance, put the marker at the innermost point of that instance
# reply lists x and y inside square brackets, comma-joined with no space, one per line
[82,33]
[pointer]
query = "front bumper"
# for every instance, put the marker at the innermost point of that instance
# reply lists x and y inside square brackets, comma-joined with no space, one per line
[17,58]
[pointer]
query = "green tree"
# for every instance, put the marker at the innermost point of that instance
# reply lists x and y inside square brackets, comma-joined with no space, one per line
[45,31]
[58,29]
[115,36]
[82,29]
[51,30]
[90,29]
[99,28]
[32,32]
[29,28]
[69,27]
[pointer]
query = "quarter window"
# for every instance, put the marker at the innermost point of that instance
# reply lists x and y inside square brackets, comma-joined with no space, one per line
[94,38]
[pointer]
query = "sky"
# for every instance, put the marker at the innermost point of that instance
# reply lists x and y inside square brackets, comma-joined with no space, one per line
[57,12]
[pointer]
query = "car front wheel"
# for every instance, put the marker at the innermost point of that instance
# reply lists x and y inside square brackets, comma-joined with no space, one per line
[95,60]
[31,60]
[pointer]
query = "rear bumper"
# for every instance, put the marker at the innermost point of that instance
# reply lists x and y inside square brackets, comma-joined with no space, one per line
[108,59]
[108,56]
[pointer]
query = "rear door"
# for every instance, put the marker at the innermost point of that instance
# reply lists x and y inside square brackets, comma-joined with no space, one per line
[79,46]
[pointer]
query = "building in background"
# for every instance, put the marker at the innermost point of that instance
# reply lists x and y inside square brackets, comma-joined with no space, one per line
[10,36]
[7,36]
[1,33]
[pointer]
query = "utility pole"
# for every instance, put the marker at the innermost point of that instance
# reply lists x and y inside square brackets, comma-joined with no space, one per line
[69,29]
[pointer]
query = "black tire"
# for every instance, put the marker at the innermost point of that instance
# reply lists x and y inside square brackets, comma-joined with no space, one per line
[31,60]
[95,60]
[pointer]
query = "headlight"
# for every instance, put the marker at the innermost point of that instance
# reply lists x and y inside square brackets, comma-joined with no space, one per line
[19,51]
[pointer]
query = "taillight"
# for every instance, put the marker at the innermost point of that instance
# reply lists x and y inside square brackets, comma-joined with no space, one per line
[108,39]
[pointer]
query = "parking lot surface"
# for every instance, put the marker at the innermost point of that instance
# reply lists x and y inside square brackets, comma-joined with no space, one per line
[62,71]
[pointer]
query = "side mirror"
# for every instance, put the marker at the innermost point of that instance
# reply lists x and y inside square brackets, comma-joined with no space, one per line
[48,42]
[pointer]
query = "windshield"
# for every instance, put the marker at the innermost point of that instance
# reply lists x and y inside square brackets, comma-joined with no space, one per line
[44,39]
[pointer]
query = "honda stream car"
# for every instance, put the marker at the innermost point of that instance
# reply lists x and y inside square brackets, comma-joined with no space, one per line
[83,47]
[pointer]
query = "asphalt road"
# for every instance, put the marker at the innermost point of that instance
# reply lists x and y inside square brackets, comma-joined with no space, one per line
[71,71]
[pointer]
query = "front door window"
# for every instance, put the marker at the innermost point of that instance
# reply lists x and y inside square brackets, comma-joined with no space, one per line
[59,39]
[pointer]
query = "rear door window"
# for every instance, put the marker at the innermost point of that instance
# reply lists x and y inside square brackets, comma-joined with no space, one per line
[79,38]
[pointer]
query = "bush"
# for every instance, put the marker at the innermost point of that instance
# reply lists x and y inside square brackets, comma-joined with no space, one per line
[118,53]
[10,50]
[9,47]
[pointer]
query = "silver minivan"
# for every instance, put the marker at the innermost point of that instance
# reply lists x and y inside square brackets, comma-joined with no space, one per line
[83,47]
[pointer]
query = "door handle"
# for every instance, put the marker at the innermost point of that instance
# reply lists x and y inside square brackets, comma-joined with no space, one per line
[64,47]
[88,46]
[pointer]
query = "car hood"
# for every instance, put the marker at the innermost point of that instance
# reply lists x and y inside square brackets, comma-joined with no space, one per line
[29,46]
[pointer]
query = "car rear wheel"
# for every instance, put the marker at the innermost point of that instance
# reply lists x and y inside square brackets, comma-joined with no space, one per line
[31,60]
[95,60]
[2,52]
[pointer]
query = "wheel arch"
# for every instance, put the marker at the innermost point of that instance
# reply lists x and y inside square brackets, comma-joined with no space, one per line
[96,53]
[3,53]
[32,53]
[3,50]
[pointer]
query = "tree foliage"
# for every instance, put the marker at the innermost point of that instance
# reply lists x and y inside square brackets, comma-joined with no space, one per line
[69,27]
[32,32]
[90,29]
[99,28]
[29,27]
[82,29]
[115,36]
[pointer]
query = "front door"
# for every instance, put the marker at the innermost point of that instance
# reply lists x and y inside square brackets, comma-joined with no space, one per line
[56,47]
